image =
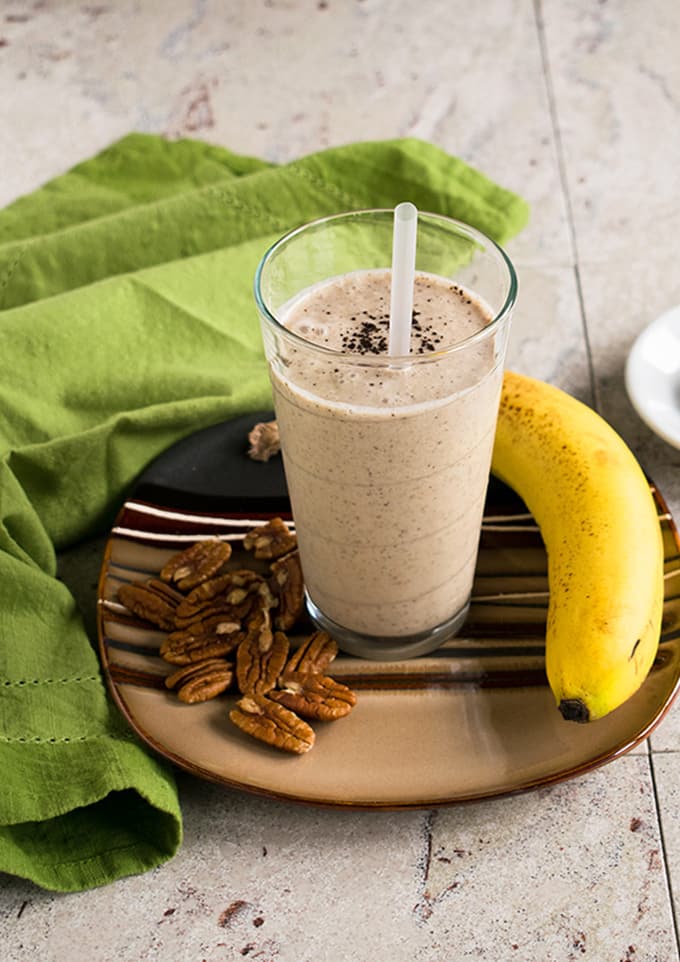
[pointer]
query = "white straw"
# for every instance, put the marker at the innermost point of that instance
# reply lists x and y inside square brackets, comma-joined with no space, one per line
[403,272]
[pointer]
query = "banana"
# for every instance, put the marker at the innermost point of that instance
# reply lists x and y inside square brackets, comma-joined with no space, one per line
[599,524]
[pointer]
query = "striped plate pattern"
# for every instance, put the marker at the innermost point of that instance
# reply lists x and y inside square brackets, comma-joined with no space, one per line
[474,720]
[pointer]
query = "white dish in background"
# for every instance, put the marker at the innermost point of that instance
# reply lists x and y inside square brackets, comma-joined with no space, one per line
[653,376]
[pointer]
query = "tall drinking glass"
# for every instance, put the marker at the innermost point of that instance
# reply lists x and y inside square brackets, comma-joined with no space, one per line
[386,458]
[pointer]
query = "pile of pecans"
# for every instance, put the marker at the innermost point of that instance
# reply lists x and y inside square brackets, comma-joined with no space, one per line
[227,626]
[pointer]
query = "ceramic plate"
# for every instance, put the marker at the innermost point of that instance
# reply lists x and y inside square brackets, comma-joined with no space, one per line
[653,376]
[472,721]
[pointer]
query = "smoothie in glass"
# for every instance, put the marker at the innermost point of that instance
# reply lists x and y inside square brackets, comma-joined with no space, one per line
[386,459]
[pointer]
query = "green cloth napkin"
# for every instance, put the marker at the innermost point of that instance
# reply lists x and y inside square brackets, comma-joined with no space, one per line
[126,323]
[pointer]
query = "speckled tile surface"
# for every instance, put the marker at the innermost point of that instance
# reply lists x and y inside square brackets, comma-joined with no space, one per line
[575,104]
[667,782]
[581,873]
[546,340]
[666,738]
[570,872]
[616,78]
[238,74]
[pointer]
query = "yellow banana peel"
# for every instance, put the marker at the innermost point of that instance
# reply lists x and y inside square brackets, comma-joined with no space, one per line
[599,524]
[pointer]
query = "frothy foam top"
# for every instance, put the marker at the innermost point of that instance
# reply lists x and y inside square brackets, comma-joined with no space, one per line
[351,313]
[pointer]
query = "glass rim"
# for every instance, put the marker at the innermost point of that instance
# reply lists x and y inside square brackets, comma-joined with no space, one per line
[480,335]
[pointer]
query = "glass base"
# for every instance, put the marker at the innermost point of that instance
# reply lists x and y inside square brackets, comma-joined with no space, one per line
[387,647]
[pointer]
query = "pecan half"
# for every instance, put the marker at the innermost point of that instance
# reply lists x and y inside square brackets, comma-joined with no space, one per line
[315,696]
[230,589]
[274,724]
[196,564]
[170,594]
[271,540]
[201,681]
[288,587]
[219,610]
[210,638]
[264,441]
[260,659]
[152,600]
[259,627]
[313,656]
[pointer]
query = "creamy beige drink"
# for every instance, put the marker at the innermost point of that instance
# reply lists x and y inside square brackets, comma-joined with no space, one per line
[387,462]
[386,441]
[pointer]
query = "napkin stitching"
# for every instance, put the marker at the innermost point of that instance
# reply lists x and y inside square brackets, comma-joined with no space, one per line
[12,267]
[348,200]
[223,193]
[21,682]
[64,739]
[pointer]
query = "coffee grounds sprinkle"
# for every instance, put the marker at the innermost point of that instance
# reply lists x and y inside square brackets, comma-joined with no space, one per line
[371,335]
[369,331]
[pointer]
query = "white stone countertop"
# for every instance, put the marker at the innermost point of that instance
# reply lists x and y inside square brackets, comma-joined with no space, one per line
[576,105]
